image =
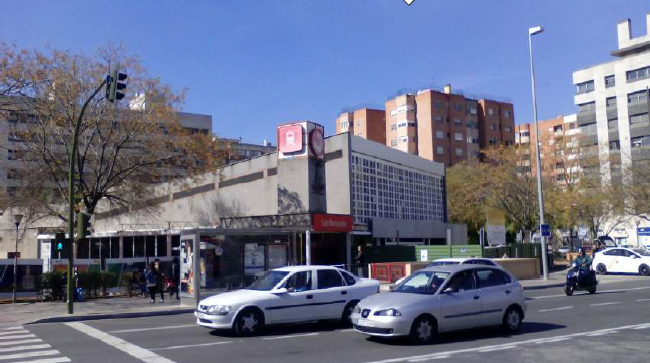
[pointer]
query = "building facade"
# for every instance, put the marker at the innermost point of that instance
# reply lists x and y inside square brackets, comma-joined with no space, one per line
[364,122]
[240,150]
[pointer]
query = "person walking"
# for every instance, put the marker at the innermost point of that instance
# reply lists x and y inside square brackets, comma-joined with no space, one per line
[154,282]
[360,261]
[175,278]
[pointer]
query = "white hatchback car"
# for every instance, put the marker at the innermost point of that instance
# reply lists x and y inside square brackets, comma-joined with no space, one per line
[456,261]
[443,298]
[286,295]
[622,260]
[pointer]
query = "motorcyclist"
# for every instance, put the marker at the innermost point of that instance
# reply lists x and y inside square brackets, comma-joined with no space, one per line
[583,263]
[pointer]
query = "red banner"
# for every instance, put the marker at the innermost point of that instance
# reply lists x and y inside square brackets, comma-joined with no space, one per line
[331,223]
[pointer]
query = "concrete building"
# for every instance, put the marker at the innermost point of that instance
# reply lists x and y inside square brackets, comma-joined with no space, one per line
[364,122]
[244,150]
[442,126]
[559,148]
[612,100]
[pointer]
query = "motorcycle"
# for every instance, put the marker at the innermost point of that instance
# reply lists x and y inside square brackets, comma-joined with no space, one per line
[574,282]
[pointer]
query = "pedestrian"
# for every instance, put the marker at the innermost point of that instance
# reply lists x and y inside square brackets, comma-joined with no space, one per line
[142,282]
[360,261]
[155,282]
[175,278]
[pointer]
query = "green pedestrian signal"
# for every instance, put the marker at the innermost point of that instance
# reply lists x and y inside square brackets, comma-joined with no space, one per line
[59,246]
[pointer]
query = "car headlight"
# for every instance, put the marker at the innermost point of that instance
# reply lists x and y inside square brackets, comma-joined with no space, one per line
[356,309]
[388,312]
[219,309]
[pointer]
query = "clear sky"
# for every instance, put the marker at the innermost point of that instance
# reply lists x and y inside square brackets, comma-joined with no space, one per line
[254,64]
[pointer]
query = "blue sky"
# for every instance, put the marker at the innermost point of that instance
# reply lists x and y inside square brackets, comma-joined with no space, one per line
[254,64]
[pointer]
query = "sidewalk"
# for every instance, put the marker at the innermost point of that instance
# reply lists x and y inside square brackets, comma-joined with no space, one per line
[109,308]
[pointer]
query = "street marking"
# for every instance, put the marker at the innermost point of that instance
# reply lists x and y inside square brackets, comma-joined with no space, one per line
[156,328]
[642,327]
[643,300]
[346,330]
[601,292]
[497,348]
[291,336]
[47,360]
[191,345]
[15,342]
[556,309]
[508,345]
[25,347]
[14,332]
[29,354]
[18,336]
[603,333]
[607,303]
[14,328]
[430,358]
[129,348]
[551,340]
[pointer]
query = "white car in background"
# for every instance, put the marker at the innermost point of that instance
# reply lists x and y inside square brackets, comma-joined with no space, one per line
[290,294]
[443,298]
[456,261]
[622,260]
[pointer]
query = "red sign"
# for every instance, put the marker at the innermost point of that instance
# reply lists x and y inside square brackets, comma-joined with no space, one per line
[290,138]
[331,223]
[317,142]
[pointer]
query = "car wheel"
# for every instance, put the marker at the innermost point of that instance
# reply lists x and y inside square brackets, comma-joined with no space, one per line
[248,323]
[423,331]
[512,320]
[568,289]
[347,312]
[592,290]
[602,270]
[644,270]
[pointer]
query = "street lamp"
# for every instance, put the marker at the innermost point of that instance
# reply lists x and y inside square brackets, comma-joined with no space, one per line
[531,32]
[17,219]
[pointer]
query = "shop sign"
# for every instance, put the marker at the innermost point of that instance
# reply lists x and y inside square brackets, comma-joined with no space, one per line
[331,223]
[290,138]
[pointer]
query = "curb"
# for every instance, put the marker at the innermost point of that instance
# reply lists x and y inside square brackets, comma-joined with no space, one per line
[143,314]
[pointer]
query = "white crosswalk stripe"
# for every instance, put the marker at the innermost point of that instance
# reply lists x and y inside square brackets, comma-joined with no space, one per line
[18,345]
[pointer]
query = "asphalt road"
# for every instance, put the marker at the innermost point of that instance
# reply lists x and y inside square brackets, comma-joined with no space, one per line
[610,325]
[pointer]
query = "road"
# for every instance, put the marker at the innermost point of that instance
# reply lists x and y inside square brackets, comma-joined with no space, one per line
[607,326]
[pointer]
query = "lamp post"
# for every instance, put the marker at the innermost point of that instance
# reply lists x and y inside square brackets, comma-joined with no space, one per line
[531,32]
[17,219]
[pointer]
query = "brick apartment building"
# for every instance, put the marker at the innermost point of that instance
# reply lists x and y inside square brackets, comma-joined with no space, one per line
[439,125]
[364,122]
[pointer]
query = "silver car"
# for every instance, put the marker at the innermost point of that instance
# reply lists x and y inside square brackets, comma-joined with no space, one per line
[443,298]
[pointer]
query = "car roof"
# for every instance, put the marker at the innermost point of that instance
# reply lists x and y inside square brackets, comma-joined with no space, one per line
[459,259]
[456,268]
[305,268]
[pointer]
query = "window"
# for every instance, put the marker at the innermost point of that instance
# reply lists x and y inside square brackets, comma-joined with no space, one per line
[438,119]
[506,129]
[300,281]
[472,110]
[587,107]
[462,281]
[437,104]
[349,279]
[637,74]
[13,174]
[458,107]
[492,127]
[612,124]
[440,134]
[393,127]
[639,119]
[440,150]
[328,279]
[458,136]
[393,142]
[493,141]
[637,97]
[459,152]
[610,81]
[506,113]
[584,87]
[490,111]
[637,141]
[458,121]
[491,278]
[610,102]
[615,145]
[472,140]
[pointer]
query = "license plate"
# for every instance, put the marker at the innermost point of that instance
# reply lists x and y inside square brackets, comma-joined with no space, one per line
[366,322]
[200,315]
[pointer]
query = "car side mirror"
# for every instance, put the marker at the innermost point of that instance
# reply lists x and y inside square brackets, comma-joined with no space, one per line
[280,291]
[449,290]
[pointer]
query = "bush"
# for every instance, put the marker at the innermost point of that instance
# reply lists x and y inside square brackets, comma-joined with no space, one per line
[53,281]
[90,281]
[108,280]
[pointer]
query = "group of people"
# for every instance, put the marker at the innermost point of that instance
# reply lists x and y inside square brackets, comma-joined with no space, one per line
[153,281]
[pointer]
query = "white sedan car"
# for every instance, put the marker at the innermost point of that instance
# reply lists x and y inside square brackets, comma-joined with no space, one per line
[286,295]
[456,261]
[622,260]
[443,298]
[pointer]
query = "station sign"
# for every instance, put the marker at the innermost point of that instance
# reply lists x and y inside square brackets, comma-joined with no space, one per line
[331,223]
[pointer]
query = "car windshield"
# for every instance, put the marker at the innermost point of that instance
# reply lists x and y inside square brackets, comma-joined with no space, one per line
[641,252]
[422,282]
[442,263]
[268,281]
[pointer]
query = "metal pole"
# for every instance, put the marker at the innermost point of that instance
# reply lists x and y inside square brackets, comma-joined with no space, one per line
[539,168]
[15,267]
[308,247]
[73,154]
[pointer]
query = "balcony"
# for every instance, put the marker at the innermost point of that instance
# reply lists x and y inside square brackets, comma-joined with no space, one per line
[586,117]
[612,113]
[637,108]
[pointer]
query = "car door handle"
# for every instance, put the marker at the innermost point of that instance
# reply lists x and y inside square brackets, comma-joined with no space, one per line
[310,296]
[344,292]
[508,292]
[476,297]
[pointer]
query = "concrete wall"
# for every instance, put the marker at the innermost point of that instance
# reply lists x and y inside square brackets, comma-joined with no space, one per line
[337,173]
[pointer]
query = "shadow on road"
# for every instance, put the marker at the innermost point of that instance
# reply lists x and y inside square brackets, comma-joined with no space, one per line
[288,329]
[475,335]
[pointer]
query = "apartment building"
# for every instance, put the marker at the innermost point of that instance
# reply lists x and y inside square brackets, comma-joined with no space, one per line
[559,148]
[612,100]
[368,123]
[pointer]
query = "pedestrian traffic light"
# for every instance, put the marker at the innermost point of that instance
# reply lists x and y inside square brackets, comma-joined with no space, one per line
[83,224]
[59,241]
[115,86]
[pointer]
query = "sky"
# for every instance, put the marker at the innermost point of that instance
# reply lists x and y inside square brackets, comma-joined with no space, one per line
[254,64]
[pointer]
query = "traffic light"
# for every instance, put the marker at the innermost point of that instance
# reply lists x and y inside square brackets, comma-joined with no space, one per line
[59,242]
[115,86]
[83,224]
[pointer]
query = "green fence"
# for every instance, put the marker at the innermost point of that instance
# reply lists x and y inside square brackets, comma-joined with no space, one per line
[419,253]
[519,250]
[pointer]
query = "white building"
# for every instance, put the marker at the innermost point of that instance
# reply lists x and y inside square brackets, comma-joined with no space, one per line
[612,100]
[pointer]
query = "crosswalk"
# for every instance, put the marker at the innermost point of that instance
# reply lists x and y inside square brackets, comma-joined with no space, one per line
[18,345]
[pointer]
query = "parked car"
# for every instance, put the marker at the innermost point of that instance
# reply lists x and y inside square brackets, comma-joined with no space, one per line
[622,260]
[286,295]
[443,298]
[456,261]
